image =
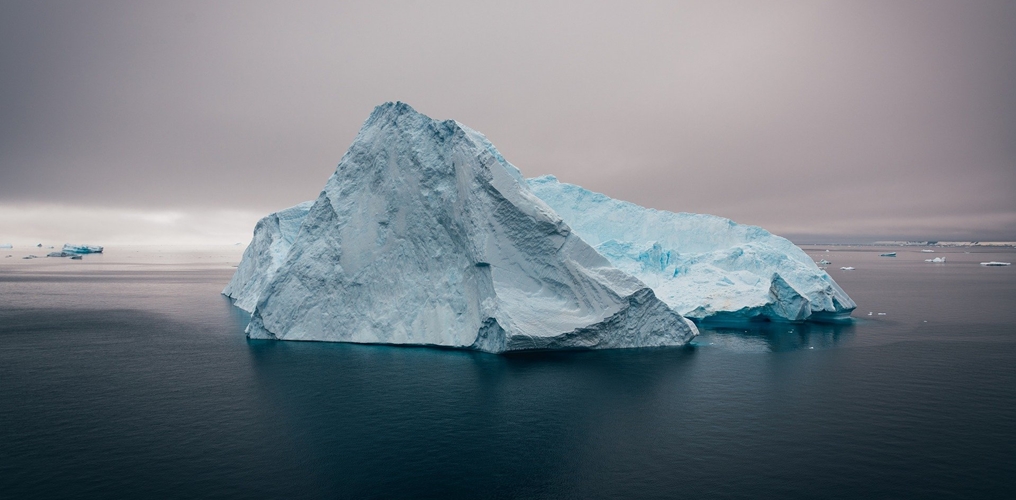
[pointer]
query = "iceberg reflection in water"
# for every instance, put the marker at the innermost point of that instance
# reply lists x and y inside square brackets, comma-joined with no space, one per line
[771,336]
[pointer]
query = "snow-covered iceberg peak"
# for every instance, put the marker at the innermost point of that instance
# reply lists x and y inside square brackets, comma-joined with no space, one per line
[703,266]
[426,235]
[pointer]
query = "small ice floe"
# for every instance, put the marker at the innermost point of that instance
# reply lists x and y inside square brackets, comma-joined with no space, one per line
[928,251]
[812,347]
[827,250]
[848,268]
[81,248]
[30,257]
[887,254]
[9,256]
[869,313]
[6,245]
[881,314]
[39,245]
[75,257]
[936,260]
[995,263]
[823,262]
[59,254]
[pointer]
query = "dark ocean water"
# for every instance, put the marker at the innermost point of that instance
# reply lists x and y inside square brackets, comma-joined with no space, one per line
[128,375]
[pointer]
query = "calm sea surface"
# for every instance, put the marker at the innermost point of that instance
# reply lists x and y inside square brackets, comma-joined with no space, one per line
[128,375]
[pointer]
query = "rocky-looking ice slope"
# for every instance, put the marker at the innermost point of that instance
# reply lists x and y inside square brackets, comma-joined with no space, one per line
[703,266]
[273,237]
[425,235]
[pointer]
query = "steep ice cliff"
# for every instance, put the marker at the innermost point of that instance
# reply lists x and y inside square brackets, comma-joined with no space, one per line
[273,237]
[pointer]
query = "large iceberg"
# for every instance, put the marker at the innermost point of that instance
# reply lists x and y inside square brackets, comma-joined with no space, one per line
[703,266]
[425,235]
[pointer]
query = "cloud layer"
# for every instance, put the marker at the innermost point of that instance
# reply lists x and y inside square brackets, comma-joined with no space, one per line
[818,120]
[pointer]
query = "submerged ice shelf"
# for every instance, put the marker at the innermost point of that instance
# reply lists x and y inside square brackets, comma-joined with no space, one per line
[426,235]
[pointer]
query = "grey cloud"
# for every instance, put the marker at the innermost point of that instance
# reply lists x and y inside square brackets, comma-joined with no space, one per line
[879,120]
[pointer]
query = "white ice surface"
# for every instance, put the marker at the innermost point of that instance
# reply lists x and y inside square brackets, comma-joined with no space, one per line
[703,266]
[273,237]
[68,248]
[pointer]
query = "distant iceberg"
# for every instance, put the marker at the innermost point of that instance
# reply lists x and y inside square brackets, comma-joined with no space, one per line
[703,266]
[68,248]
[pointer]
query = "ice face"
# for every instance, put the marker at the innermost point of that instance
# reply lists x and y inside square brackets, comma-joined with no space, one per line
[68,248]
[273,237]
[703,266]
[426,235]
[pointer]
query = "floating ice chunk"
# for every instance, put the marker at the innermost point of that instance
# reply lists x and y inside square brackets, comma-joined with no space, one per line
[995,263]
[887,254]
[426,235]
[30,257]
[881,314]
[703,266]
[76,257]
[6,245]
[928,251]
[59,254]
[847,268]
[936,260]
[81,248]
[823,262]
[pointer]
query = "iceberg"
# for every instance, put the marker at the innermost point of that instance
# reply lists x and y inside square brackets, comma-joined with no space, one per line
[68,248]
[703,266]
[426,235]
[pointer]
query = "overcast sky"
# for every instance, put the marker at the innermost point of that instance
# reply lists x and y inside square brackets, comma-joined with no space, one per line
[820,121]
